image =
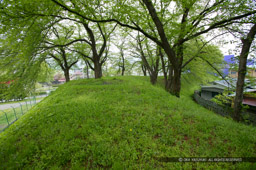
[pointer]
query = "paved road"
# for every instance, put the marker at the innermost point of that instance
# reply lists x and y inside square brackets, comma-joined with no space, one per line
[10,105]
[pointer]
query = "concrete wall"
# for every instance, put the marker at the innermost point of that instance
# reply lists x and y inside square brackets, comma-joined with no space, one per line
[206,95]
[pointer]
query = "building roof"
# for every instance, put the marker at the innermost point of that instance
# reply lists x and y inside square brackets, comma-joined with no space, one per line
[62,80]
[230,59]
[78,73]
[249,101]
[225,84]
[213,88]
[245,91]
[220,85]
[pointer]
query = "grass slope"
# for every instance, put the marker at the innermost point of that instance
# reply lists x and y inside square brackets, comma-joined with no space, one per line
[122,122]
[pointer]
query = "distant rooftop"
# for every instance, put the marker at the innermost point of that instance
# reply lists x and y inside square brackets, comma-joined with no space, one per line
[231,59]
[226,84]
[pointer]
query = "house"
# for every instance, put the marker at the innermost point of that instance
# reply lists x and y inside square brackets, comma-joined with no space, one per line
[59,78]
[249,99]
[210,91]
[218,87]
[229,61]
[228,84]
[62,80]
[78,74]
[229,69]
[250,73]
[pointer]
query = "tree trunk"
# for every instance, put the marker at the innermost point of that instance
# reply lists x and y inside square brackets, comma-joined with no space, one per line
[175,60]
[144,70]
[123,69]
[97,70]
[176,82]
[173,84]
[169,79]
[154,71]
[242,72]
[163,66]
[153,77]
[123,62]
[87,70]
[66,73]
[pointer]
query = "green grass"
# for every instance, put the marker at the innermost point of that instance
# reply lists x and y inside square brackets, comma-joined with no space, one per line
[122,122]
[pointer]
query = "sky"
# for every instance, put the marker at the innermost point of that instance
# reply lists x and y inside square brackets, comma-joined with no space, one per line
[226,43]
[233,48]
[228,49]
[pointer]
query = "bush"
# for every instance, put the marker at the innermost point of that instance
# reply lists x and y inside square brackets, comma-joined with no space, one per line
[223,99]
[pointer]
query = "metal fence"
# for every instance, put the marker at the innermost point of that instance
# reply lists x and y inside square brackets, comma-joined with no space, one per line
[14,112]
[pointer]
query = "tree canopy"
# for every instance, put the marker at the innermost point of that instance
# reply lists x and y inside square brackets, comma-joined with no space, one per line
[173,27]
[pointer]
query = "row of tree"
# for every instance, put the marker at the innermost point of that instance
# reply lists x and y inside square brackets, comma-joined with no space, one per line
[167,36]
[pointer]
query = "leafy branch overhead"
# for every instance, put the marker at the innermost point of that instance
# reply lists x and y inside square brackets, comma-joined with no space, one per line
[28,26]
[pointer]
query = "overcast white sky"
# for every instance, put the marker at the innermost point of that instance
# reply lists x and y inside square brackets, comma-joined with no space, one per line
[228,49]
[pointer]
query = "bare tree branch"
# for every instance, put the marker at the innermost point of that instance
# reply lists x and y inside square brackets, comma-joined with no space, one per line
[199,51]
[65,45]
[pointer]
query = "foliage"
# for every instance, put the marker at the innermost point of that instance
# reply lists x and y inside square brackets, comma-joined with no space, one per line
[223,99]
[120,58]
[19,60]
[250,94]
[46,73]
[200,51]
[27,25]
[122,123]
